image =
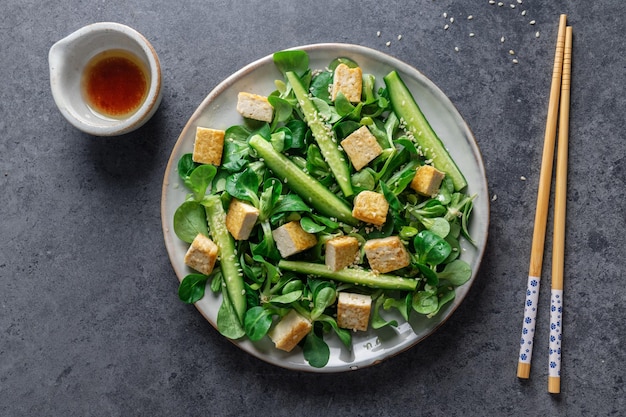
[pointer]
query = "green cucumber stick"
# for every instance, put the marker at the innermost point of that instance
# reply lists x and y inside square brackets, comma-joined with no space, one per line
[323,135]
[233,278]
[308,188]
[411,116]
[353,276]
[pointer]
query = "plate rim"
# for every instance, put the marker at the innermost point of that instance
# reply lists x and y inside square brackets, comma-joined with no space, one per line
[343,49]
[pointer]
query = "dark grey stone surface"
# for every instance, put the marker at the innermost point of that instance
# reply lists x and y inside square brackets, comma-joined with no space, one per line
[90,323]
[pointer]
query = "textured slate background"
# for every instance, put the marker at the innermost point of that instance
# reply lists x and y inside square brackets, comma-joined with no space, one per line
[90,323]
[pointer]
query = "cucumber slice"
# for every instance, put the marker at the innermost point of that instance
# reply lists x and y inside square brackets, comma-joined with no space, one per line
[308,188]
[411,115]
[354,276]
[323,136]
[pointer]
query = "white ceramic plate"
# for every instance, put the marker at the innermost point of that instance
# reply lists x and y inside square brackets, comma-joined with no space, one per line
[218,111]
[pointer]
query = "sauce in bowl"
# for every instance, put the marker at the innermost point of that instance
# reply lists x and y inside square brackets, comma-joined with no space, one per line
[115,83]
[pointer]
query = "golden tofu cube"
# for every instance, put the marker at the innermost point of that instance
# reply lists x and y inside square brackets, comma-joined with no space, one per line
[289,331]
[341,252]
[254,106]
[349,81]
[208,146]
[290,239]
[202,254]
[427,180]
[353,311]
[240,219]
[370,207]
[386,254]
[361,147]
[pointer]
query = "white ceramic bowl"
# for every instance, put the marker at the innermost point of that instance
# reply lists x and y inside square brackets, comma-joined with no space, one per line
[68,58]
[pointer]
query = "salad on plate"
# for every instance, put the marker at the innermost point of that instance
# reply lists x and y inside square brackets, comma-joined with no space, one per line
[332,208]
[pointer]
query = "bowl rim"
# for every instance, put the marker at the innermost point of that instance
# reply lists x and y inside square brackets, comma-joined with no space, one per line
[62,97]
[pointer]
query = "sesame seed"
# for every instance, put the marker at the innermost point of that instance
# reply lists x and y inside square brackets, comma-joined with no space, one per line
[532,22]
[446,27]
[537,35]
[502,39]
[378,33]
[519,1]
[388,43]
[500,4]
[471,34]
[512,6]
[445,15]
[494,198]
[515,61]
[523,12]
[511,52]
[523,178]
[492,1]
[399,37]
[456,49]
[452,20]
[470,17]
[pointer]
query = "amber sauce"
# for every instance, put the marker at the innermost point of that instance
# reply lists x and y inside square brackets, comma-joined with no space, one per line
[115,83]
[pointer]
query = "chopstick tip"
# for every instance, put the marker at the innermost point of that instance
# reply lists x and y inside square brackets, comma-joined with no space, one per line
[554,385]
[523,370]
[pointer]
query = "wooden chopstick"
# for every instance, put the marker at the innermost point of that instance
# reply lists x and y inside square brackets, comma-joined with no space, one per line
[558,244]
[541,214]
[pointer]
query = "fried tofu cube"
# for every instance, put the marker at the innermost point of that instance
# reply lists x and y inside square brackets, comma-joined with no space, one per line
[353,311]
[208,146]
[386,254]
[254,106]
[289,331]
[427,180]
[349,81]
[240,219]
[361,147]
[290,239]
[341,252]
[370,207]
[202,254]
